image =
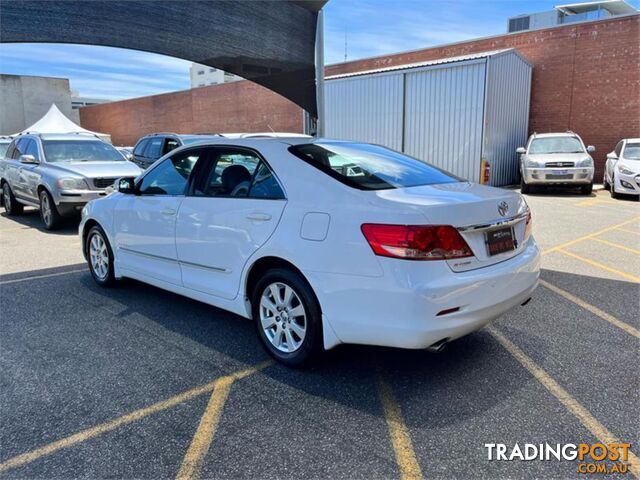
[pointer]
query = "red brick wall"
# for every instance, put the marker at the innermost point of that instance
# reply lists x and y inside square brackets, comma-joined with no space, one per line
[233,107]
[586,78]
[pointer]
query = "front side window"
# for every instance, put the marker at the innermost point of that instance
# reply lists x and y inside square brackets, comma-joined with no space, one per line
[142,144]
[618,148]
[79,151]
[548,145]
[154,149]
[20,147]
[632,151]
[171,176]
[32,149]
[370,167]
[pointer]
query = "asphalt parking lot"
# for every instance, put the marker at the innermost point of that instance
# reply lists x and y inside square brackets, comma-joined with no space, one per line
[136,382]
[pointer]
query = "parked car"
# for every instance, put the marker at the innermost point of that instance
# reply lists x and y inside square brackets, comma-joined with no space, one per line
[59,173]
[153,146]
[4,144]
[556,159]
[389,251]
[127,152]
[622,170]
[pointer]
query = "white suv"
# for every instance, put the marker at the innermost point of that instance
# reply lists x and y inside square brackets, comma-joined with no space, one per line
[556,159]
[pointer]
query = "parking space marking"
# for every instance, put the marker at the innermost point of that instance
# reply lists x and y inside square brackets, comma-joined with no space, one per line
[628,231]
[616,245]
[583,415]
[602,266]
[593,309]
[48,275]
[591,235]
[114,424]
[400,439]
[201,442]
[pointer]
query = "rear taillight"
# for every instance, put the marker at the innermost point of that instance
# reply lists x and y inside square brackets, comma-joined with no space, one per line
[529,225]
[416,242]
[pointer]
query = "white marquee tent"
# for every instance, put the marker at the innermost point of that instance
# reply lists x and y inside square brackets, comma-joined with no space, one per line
[54,121]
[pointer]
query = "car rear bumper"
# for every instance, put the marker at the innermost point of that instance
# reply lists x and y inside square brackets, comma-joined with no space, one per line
[544,176]
[407,307]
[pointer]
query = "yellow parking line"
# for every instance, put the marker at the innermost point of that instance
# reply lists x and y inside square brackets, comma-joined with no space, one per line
[192,462]
[595,310]
[400,439]
[616,245]
[628,231]
[581,413]
[622,274]
[111,425]
[591,235]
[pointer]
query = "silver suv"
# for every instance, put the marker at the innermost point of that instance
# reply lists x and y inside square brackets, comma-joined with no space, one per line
[556,159]
[59,173]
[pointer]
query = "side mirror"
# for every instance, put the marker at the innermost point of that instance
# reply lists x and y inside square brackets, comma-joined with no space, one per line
[28,160]
[521,150]
[591,149]
[126,185]
[612,156]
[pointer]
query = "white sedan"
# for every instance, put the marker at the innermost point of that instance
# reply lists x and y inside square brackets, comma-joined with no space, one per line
[321,242]
[622,170]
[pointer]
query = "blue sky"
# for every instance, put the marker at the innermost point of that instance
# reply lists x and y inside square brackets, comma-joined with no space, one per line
[372,27]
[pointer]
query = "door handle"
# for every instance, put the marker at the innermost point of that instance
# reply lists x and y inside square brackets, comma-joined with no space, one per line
[168,212]
[259,217]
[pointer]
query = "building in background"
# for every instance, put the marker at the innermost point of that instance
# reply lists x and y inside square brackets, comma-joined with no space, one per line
[570,13]
[78,101]
[204,76]
[25,99]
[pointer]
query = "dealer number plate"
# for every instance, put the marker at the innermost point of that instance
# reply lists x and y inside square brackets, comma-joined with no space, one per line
[500,240]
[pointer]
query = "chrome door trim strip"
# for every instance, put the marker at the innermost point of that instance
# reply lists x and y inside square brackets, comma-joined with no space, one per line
[180,262]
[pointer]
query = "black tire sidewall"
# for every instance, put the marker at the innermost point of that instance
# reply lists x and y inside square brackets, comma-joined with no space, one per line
[110,280]
[16,208]
[56,219]
[312,343]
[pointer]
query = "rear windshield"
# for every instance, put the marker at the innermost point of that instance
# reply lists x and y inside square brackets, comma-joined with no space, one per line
[632,151]
[370,167]
[79,151]
[556,145]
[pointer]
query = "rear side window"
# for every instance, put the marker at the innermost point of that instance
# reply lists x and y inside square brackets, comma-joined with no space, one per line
[139,150]
[154,149]
[170,144]
[172,175]
[370,167]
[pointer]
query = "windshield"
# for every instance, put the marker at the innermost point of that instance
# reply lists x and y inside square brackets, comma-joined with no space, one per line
[3,148]
[556,145]
[370,167]
[80,151]
[632,151]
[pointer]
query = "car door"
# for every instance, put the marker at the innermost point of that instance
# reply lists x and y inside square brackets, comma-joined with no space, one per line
[29,174]
[612,163]
[17,179]
[232,209]
[144,223]
[153,151]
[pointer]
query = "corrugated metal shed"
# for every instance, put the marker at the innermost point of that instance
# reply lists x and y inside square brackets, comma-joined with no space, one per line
[452,112]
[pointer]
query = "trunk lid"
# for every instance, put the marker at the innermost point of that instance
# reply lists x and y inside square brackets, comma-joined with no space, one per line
[475,210]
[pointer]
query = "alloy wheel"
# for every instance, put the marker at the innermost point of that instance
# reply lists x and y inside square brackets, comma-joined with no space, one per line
[45,208]
[283,317]
[99,256]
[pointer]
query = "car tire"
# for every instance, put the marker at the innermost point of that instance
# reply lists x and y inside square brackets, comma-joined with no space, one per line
[524,188]
[587,189]
[290,338]
[11,205]
[48,211]
[100,257]
[605,184]
[612,189]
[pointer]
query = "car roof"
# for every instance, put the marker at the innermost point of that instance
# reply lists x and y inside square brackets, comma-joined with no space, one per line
[68,136]
[256,142]
[559,134]
[634,140]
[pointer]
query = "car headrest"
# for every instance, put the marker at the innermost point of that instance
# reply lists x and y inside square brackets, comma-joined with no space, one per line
[234,175]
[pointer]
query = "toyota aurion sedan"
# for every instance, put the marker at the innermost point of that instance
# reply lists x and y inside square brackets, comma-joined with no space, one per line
[622,170]
[321,242]
[556,159]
